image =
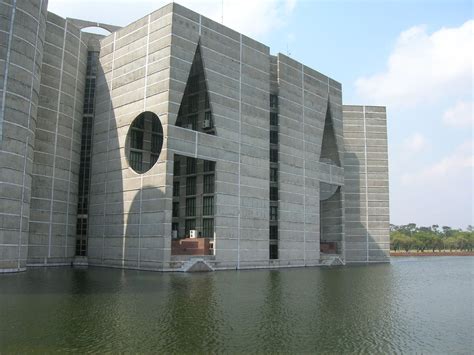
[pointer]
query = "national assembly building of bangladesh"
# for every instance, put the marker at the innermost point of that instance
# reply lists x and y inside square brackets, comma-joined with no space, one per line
[178,144]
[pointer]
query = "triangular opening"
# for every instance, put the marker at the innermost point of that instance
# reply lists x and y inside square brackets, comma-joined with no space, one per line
[329,152]
[195,110]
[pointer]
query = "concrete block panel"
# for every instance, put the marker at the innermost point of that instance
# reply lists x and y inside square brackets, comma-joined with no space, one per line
[23,24]
[366,180]
[59,127]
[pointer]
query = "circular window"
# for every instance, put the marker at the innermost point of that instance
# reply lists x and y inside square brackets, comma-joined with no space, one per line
[144,142]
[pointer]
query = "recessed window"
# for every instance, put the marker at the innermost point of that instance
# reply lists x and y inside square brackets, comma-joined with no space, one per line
[193,103]
[273,118]
[206,101]
[175,209]
[273,232]
[274,193]
[144,142]
[274,137]
[273,213]
[273,174]
[208,205]
[273,101]
[176,168]
[190,166]
[176,188]
[190,207]
[273,251]
[208,184]
[191,185]
[208,228]
[209,166]
[274,155]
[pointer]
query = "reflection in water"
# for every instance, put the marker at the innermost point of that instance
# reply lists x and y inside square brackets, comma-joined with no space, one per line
[274,327]
[191,314]
[411,305]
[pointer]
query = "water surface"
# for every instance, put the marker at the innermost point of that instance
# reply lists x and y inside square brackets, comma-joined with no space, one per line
[411,305]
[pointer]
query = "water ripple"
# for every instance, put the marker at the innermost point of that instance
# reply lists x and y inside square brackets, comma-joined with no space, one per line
[405,307]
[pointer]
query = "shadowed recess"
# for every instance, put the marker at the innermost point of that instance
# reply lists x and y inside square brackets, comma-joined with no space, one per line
[195,110]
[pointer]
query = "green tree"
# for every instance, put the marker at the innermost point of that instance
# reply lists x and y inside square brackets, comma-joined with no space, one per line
[448,231]
[436,243]
[397,240]
[451,243]
[406,243]
[422,240]
[461,241]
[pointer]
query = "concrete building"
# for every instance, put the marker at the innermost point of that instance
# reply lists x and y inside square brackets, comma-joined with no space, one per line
[176,143]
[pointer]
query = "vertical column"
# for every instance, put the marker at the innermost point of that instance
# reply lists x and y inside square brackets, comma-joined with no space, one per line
[355,184]
[366,184]
[57,145]
[20,72]
[378,217]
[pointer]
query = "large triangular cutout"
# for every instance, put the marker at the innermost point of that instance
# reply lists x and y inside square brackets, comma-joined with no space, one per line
[329,151]
[195,110]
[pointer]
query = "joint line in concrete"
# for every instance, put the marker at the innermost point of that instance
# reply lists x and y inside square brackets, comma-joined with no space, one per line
[304,168]
[240,148]
[107,157]
[56,143]
[5,75]
[366,185]
[70,146]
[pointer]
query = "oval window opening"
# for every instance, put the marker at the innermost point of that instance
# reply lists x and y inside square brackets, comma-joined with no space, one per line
[144,142]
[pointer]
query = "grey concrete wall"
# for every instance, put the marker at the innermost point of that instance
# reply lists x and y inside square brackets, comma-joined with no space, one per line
[130,213]
[237,73]
[57,145]
[303,103]
[22,27]
[366,184]
[145,67]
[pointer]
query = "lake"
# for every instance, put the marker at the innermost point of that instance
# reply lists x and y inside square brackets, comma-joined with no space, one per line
[422,304]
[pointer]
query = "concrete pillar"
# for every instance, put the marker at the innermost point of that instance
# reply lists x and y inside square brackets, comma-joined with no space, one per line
[21,53]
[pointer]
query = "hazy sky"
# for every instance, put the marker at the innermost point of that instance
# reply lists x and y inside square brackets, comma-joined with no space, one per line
[415,57]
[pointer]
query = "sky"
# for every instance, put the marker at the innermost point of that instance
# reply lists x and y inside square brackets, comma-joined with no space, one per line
[415,57]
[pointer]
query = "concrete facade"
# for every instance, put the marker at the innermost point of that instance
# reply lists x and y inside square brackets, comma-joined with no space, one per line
[57,145]
[22,36]
[285,174]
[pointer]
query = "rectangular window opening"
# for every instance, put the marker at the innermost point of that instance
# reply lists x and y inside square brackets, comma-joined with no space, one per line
[208,205]
[273,251]
[208,187]
[190,185]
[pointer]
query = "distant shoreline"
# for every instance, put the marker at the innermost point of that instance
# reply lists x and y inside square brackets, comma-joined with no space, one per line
[430,253]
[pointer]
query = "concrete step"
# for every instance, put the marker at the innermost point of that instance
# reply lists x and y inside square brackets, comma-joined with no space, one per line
[80,261]
[331,260]
[196,265]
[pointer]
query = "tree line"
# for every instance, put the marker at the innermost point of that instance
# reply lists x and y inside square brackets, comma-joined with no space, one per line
[412,237]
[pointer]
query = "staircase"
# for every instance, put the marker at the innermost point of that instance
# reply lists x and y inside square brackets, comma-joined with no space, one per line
[331,260]
[196,265]
[80,261]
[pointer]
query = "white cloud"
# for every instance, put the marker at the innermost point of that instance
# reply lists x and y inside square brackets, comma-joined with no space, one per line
[423,67]
[460,162]
[460,115]
[253,18]
[415,144]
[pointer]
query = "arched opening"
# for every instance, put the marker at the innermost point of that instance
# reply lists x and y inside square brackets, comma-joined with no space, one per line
[96,30]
